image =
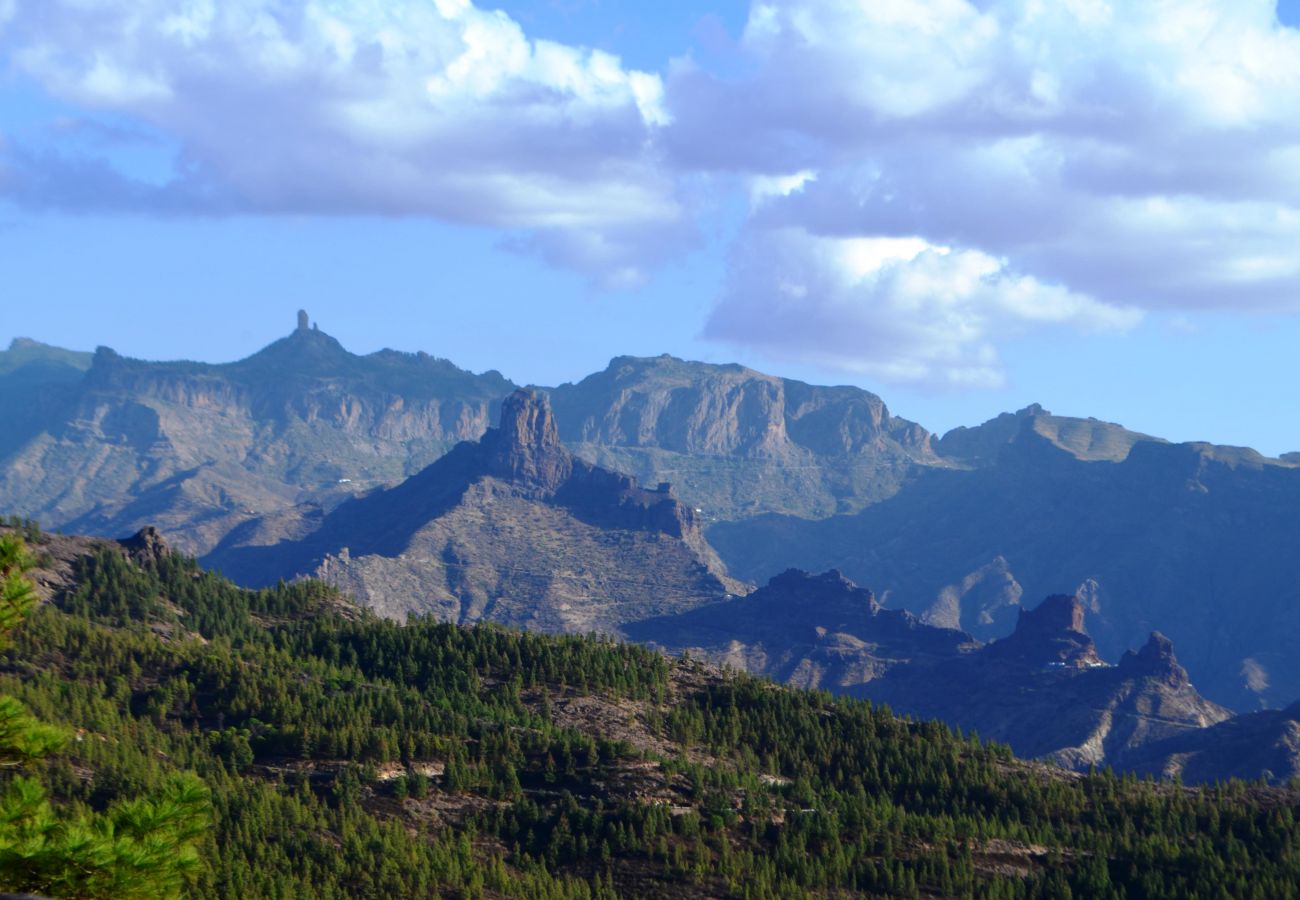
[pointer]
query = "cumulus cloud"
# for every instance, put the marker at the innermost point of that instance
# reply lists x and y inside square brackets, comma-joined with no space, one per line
[1114,156]
[897,309]
[410,107]
[924,177]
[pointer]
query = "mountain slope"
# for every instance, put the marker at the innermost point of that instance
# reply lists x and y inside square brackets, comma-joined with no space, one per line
[349,756]
[1197,541]
[513,529]
[1046,692]
[196,449]
[737,442]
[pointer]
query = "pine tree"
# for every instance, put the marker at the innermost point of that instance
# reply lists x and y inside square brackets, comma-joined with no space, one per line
[135,849]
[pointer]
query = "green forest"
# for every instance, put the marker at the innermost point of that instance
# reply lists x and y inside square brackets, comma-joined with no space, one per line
[283,743]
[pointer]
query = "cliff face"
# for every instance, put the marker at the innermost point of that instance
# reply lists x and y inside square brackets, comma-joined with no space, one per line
[1045,691]
[198,449]
[737,442]
[511,529]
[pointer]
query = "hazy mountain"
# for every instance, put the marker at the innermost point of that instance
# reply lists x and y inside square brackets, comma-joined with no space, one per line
[512,529]
[737,442]
[1195,540]
[196,448]
[1045,691]
[812,631]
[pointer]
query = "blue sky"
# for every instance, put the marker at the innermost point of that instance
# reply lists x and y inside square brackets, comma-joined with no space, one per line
[965,207]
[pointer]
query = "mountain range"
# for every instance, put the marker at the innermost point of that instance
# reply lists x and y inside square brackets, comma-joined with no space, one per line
[512,528]
[659,489]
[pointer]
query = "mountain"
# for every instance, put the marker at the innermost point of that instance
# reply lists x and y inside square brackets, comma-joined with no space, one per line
[512,529]
[810,631]
[1193,539]
[737,442]
[1046,692]
[350,756]
[197,449]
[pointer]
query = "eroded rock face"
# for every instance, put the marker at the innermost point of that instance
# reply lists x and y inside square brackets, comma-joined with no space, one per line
[1045,691]
[511,529]
[197,449]
[737,442]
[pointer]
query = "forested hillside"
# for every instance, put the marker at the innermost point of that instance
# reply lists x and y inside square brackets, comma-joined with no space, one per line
[350,756]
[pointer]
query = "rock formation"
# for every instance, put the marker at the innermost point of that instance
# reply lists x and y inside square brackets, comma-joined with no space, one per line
[1045,691]
[1195,540]
[198,449]
[511,529]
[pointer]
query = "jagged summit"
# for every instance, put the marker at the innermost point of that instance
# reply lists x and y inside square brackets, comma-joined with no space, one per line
[526,446]
[511,528]
[1156,659]
[1059,612]
[1052,634]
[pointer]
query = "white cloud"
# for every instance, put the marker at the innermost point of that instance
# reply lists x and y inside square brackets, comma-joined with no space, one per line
[408,107]
[1136,155]
[898,309]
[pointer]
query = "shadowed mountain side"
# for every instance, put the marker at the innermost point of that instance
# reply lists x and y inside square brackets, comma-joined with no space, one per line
[512,529]
[1046,692]
[198,449]
[812,631]
[1256,745]
[737,442]
[1197,541]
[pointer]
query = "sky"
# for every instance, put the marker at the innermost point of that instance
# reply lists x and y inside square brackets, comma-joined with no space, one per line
[964,206]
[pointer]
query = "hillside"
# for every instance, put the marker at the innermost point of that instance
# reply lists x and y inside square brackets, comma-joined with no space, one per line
[512,529]
[1193,540]
[352,757]
[196,449]
[737,442]
[1046,692]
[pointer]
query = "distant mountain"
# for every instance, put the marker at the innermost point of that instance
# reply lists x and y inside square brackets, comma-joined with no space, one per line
[811,631]
[1045,691]
[197,449]
[512,529]
[737,442]
[33,378]
[1195,540]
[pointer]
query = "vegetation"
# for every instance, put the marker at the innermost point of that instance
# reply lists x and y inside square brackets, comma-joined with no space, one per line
[135,848]
[349,756]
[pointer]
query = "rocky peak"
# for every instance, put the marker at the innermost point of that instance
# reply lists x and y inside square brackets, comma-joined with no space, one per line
[146,547]
[1156,660]
[1059,612]
[1050,635]
[526,447]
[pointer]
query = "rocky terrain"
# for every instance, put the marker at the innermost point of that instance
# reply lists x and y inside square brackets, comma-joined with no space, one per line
[737,442]
[197,449]
[1191,539]
[512,529]
[1045,691]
